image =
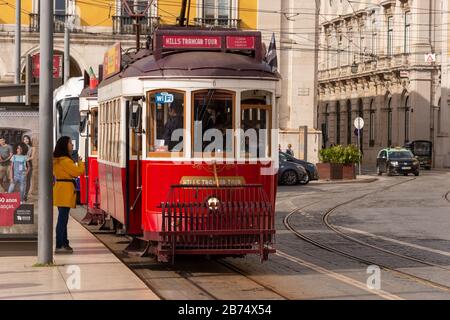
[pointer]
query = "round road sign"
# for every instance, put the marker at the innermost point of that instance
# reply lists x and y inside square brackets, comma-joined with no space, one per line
[359,123]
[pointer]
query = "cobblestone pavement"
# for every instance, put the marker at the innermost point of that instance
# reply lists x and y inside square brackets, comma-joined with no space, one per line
[397,223]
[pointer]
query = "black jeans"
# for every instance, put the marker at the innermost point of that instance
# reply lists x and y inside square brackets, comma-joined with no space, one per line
[61,227]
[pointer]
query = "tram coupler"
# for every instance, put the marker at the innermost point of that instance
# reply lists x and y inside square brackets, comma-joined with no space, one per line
[138,247]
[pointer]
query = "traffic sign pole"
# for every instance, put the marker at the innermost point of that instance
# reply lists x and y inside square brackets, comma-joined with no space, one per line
[359,124]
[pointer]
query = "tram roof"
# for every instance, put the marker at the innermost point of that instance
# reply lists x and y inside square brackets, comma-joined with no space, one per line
[89,93]
[205,64]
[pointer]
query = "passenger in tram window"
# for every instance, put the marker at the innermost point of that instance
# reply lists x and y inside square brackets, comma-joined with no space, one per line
[19,170]
[65,170]
[174,122]
[6,154]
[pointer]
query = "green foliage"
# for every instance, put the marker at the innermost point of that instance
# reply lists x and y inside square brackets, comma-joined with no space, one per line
[340,155]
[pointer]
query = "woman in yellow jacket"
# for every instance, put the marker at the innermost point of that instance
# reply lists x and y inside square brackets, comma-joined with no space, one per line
[65,170]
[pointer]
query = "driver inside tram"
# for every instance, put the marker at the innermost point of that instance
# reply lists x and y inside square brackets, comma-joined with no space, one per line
[174,123]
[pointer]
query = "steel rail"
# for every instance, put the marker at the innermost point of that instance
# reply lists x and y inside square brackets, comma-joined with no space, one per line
[286,222]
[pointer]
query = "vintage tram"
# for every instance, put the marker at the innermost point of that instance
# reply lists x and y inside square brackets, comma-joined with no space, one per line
[90,184]
[187,136]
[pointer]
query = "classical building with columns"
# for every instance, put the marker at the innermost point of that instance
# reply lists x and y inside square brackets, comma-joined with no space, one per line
[381,60]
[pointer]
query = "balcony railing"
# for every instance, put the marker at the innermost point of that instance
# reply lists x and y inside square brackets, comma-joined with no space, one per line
[125,25]
[218,22]
[59,21]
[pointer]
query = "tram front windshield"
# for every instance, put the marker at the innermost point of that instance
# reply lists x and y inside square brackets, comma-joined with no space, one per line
[69,120]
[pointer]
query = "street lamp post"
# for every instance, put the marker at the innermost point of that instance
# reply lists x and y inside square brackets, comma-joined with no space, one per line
[45,213]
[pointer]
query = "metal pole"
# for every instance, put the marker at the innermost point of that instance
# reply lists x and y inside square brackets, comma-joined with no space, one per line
[17,40]
[359,148]
[66,52]
[45,224]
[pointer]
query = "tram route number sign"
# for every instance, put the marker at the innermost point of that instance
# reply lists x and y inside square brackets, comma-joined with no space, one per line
[164,97]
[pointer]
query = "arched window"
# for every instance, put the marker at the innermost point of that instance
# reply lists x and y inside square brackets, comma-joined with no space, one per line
[325,126]
[361,115]
[407,115]
[349,122]
[439,119]
[389,122]
[372,124]
[338,123]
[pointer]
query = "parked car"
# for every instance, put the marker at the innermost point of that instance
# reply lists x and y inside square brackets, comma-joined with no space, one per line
[423,150]
[290,173]
[311,169]
[397,161]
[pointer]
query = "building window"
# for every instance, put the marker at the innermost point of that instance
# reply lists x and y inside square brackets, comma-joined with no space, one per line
[350,56]
[361,115]
[338,123]
[390,36]
[439,118]
[372,125]
[60,7]
[374,41]
[407,36]
[362,43]
[325,127]
[349,122]
[389,123]
[218,13]
[213,114]
[165,121]
[407,115]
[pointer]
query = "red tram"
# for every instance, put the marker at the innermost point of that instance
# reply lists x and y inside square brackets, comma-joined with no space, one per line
[90,185]
[187,142]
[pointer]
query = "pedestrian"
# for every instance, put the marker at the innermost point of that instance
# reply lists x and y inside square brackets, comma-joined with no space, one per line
[19,170]
[289,150]
[30,157]
[65,170]
[6,154]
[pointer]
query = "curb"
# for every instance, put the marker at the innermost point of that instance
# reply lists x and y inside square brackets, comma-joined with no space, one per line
[370,180]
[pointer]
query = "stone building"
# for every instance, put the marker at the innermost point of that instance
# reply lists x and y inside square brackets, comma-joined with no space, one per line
[381,60]
[295,26]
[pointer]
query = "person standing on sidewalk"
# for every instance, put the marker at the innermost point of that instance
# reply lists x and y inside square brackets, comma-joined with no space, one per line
[65,170]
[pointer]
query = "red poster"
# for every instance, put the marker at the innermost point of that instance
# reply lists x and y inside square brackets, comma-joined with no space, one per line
[234,42]
[57,66]
[9,202]
[192,42]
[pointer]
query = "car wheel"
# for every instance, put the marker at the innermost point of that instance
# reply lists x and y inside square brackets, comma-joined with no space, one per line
[379,171]
[388,171]
[428,168]
[306,179]
[405,174]
[416,173]
[289,178]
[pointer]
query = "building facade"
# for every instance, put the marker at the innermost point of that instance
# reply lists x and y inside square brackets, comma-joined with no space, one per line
[295,25]
[381,60]
[97,25]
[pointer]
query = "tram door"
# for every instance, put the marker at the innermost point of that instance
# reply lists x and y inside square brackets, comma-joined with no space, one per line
[134,157]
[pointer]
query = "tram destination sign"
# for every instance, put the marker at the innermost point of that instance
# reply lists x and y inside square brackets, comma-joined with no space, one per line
[192,42]
[237,42]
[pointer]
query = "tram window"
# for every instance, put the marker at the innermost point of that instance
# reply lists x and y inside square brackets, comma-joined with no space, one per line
[94,131]
[256,119]
[213,121]
[166,121]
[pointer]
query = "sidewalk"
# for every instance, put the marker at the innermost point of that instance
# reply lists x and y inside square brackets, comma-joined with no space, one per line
[359,179]
[102,276]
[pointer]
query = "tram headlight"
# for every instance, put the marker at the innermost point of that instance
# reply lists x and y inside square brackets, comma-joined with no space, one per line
[213,203]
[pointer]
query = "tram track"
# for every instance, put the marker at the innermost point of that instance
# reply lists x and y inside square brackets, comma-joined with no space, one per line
[325,221]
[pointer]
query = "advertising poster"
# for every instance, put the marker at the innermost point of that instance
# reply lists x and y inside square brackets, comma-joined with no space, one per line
[19,147]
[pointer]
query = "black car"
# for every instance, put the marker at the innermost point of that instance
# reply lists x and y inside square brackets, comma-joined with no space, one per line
[290,173]
[397,161]
[311,169]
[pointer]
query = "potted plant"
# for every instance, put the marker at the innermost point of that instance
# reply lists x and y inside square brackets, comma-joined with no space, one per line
[338,162]
[330,166]
[350,157]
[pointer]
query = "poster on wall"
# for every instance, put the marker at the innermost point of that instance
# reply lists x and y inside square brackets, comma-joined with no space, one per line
[19,144]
